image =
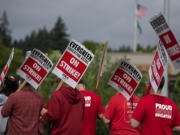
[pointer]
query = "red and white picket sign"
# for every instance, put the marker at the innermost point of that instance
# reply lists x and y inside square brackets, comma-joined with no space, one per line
[4,72]
[73,63]
[167,38]
[158,66]
[125,79]
[35,68]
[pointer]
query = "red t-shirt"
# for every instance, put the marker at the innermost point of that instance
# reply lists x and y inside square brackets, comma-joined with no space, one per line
[119,112]
[158,115]
[93,107]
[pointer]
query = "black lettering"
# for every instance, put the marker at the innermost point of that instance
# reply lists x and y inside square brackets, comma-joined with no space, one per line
[81,50]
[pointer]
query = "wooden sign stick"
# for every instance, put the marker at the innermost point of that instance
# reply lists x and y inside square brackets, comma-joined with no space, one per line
[21,85]
[101,64]
[59,85]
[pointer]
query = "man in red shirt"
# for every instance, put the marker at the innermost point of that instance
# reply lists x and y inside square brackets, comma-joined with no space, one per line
[157,114]
[118,114]
[93,109]
[65,111]
[23,108]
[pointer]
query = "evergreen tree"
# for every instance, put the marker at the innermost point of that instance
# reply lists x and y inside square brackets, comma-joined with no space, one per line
[55,39]
[4,30]
[59,36]
[42,40]
[125,48]
[139,47]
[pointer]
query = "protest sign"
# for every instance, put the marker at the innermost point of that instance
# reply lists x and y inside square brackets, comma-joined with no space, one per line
[73,63]
[167,38]
[125,79]
[35,68]
[158,66]
[4,72]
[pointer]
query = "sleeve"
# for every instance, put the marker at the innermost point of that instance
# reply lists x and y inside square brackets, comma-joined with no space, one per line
[53,113]
[139,111]
[40,127]
[100,106]
[8,106]
[176,121]
[46,105]
[109,112]
[43,102]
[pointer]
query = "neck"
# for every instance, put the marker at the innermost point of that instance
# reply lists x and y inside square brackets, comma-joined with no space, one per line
[158,93]
[64,84]
[81,87]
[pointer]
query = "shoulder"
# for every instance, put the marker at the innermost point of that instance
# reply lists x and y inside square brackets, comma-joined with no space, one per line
[56,94]
[13,97]
[15,94]
[97,97]
[146,99]
[39,95]
[135,98]
[89,93]
[94,94]
[116,98]
[34,93]
[170,101]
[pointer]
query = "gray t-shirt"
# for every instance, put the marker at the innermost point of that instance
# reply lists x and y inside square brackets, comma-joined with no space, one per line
[3,120]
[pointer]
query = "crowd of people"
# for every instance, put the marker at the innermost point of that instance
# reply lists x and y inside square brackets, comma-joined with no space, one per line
[73,111]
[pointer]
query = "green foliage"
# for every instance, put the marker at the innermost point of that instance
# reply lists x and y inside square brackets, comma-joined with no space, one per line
[94,47]
[176,92]
[4,30]
[141,89]
[16,62]
[148,49]
[92,71]
[3,54]
[125,49]
[140,48]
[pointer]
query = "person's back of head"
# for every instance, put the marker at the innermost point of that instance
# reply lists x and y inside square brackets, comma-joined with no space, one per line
[161,85]
[81,85]
[10,85]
